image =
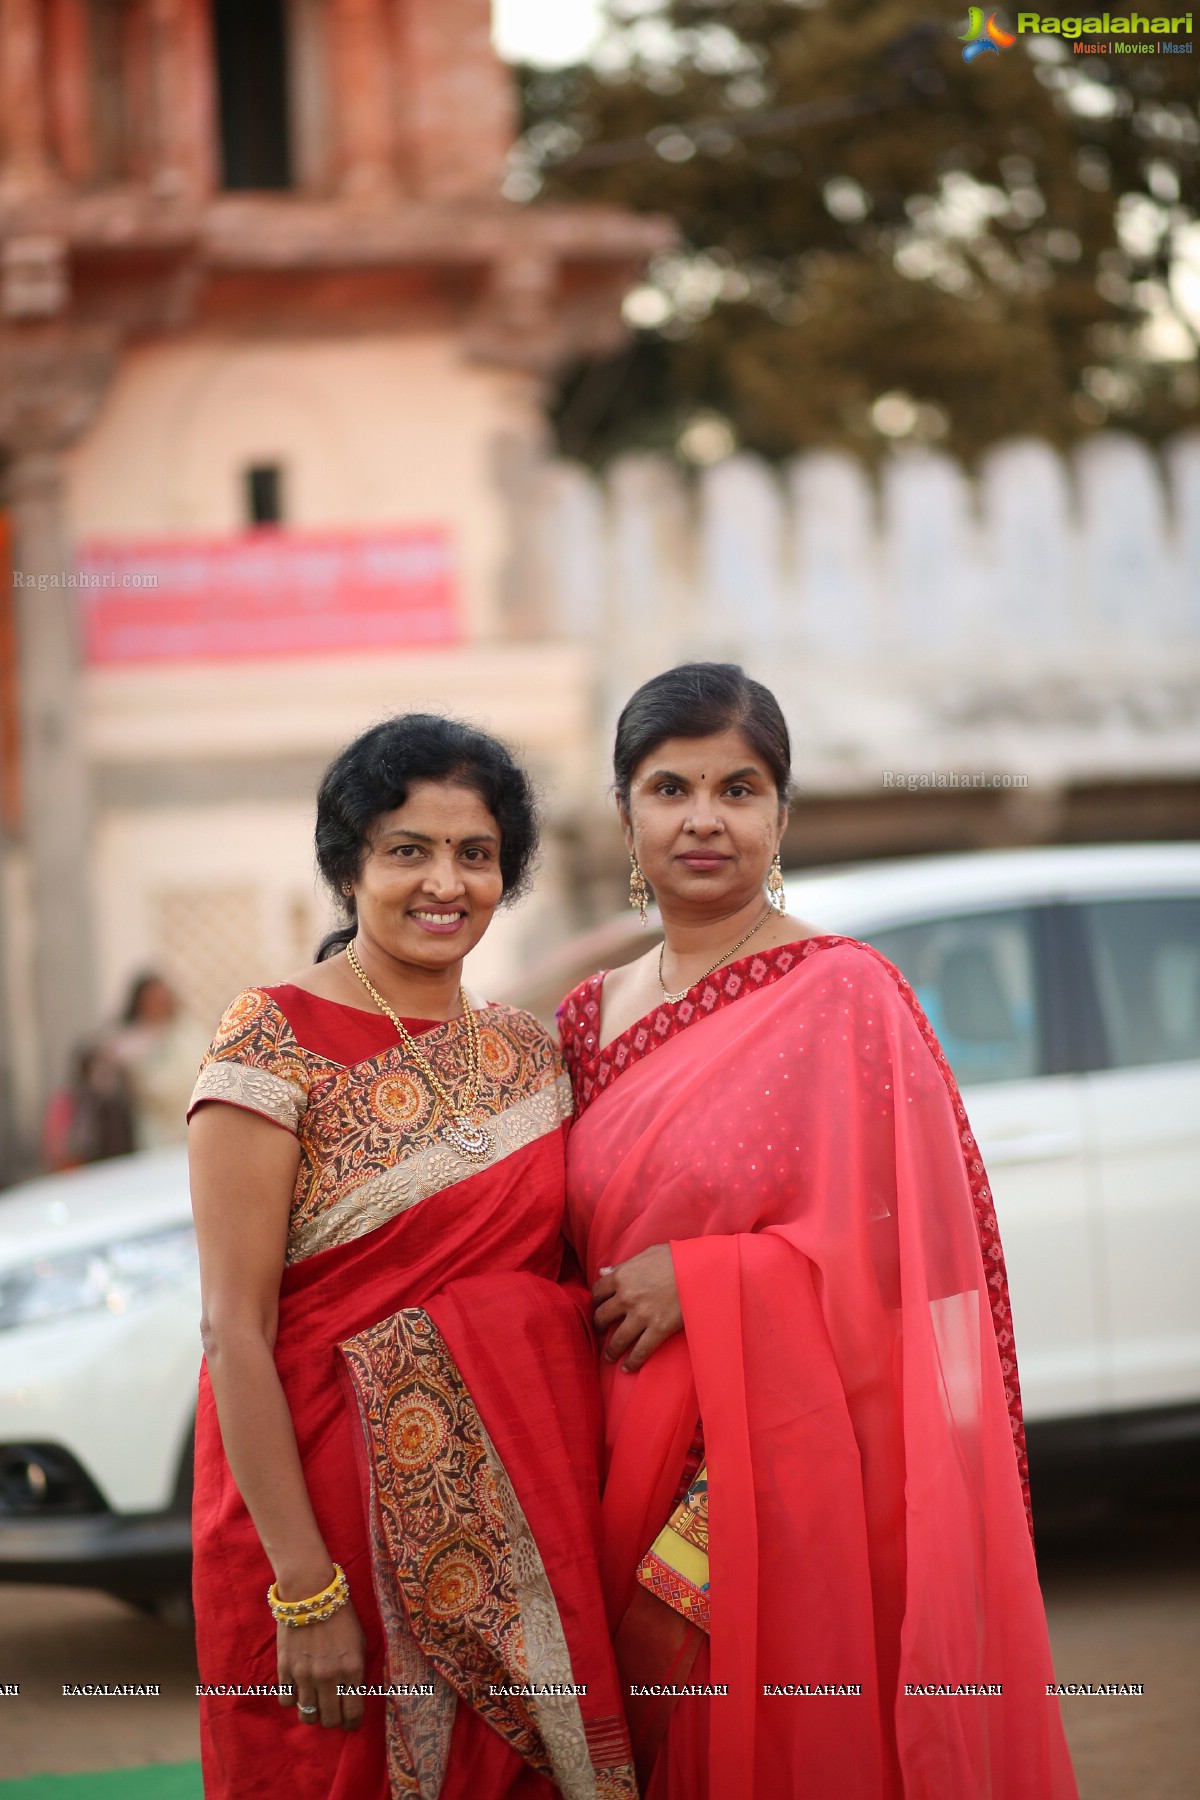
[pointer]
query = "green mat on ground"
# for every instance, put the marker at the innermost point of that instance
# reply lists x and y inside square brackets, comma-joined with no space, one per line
[161,1781]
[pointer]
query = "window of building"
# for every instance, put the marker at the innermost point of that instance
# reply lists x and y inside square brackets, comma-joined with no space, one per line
[1147,960]
[975,978]
[252,84]
[264,494]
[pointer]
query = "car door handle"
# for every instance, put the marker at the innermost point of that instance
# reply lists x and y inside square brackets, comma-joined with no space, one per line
[1032,1146]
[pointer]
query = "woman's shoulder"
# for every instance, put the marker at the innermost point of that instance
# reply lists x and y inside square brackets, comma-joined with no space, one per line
[578,1012]
[862,975]
[254,1012]
[523,1031]
[255,1029]
[585,990]
[857,975]
[255,1062]
[848,957]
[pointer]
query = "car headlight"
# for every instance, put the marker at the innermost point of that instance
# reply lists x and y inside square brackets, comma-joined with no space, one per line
[104,1278]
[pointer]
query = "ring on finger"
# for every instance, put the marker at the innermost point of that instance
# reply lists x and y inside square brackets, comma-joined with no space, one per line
[308,1712]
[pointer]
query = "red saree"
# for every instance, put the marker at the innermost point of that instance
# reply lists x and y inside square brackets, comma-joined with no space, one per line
[442,1387]
[792,1131]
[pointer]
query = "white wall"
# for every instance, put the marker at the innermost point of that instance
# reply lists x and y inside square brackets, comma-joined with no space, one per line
[1040,616]
[370,430]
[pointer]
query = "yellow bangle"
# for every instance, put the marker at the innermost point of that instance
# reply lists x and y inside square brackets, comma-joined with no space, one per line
[312,1611]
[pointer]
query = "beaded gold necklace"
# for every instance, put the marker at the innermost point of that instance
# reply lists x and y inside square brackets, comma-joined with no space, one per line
[464,1133]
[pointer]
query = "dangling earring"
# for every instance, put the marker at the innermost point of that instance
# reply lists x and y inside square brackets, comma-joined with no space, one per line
[639,892]
[775,893]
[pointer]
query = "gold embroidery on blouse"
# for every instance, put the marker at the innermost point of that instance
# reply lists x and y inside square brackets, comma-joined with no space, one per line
[366,1129]
[426,1169]
[256,1089]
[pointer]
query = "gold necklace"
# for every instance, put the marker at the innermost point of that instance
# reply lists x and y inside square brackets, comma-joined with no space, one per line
[466,1135]
[684,992]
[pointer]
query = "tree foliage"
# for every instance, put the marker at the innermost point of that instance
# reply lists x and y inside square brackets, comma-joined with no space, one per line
[875,237]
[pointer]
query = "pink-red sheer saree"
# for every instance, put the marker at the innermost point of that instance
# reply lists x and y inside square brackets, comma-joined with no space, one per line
[792,1130]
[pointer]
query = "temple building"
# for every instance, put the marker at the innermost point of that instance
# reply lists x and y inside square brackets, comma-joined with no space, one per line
[274,352]
[273,347]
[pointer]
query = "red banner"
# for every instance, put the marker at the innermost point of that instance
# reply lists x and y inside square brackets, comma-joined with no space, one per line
[266,593]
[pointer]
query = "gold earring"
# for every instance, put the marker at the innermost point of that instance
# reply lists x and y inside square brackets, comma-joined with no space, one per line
[639,892]
[775,893]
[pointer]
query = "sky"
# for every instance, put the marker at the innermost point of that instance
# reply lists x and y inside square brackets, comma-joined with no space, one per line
[545,31]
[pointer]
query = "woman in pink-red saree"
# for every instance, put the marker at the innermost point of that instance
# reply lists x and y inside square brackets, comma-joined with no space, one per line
[817,1553]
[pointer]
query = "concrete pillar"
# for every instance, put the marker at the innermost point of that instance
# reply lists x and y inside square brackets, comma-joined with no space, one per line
[360,46]
[308,79]
[68,54]
[459,110]
[830,602]
[55,798]
[742,547]
[183,149]
[932,579]
[1123,540]
[10,1157]
[25,169]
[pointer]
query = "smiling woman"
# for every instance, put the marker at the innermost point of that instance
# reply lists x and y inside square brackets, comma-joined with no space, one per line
[378,1192]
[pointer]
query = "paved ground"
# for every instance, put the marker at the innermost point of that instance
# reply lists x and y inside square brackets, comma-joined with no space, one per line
[1123,1603]
[49,1636]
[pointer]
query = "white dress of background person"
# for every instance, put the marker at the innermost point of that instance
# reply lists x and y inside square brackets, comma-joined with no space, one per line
[159,1046]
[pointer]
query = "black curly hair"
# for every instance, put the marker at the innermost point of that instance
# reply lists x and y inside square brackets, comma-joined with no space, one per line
[373,775]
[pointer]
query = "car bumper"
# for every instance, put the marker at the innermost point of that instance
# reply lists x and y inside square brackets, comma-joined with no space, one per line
[139,1558]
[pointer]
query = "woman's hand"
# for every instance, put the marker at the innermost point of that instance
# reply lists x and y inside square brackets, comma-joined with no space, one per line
[313,1659]
[640,1298]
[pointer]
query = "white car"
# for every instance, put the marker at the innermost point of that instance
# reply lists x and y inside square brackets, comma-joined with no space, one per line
[1065,988]
[99,1359]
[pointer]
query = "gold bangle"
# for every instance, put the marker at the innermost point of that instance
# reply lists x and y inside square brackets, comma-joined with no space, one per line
[317,1616]
[313,1610]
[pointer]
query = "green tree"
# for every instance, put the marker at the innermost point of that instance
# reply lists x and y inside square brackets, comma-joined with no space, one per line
[877,238]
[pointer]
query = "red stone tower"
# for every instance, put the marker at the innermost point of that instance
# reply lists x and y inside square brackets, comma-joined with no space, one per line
[232,172]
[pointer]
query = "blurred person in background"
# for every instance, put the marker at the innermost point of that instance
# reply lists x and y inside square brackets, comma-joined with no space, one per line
[801,1293]
[158,1045]
[398,1428]
[90,1118]
[129,1086]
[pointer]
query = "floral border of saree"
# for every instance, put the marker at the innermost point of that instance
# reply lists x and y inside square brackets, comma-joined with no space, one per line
[463,1588]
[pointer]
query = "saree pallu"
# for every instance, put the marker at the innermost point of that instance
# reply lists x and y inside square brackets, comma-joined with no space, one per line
[806,1156]
[442,1387]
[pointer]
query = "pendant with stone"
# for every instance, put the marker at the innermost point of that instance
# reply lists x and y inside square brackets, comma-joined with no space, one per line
[469,1138]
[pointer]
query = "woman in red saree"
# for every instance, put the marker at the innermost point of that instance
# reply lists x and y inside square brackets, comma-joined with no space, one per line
[817,1555]
[398,1425]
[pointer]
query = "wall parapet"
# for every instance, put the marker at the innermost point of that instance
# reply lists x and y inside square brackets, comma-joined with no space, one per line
[1044,610]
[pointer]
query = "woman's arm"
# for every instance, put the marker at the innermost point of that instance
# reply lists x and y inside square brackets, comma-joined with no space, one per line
[243,1172]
